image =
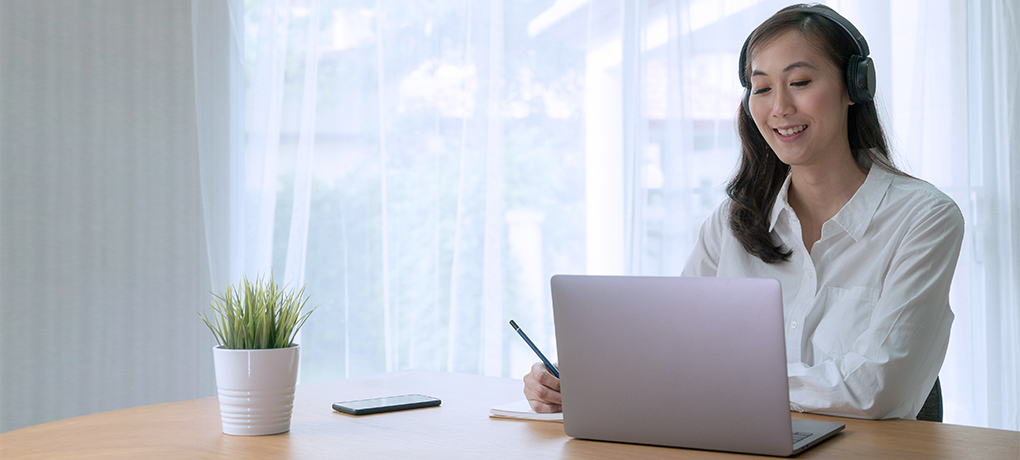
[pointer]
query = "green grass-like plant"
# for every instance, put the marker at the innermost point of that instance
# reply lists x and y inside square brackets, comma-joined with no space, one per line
[257,315]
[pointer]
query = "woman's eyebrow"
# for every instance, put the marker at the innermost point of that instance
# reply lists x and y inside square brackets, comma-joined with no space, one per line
[788,68]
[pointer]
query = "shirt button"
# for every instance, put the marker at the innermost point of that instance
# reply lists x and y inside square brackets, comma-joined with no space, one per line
[793,325]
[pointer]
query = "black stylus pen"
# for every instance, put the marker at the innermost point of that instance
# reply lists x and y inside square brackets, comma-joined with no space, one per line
[524,336]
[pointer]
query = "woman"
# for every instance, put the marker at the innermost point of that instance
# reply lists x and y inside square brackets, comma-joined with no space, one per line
[865,254]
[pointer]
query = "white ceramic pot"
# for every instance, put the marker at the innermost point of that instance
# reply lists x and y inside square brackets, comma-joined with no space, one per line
[256,389]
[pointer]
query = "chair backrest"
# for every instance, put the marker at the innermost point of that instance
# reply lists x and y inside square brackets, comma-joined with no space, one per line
[931,410]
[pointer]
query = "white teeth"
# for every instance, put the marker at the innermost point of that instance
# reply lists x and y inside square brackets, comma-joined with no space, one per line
[792,131]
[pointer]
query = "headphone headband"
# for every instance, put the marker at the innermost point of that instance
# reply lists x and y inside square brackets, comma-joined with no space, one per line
[862,44]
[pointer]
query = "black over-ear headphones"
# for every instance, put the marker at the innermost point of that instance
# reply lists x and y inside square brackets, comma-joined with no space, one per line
[860,71]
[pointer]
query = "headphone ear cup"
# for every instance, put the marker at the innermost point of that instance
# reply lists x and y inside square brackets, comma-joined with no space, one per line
[860,79]
[746,101]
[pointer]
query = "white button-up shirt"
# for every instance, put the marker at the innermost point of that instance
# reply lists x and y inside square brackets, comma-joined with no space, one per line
[867,310]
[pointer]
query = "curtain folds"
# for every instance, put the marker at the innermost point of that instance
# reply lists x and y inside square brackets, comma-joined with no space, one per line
[426,166]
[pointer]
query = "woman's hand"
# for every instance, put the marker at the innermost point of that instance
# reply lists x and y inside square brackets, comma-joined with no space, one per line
[542,390]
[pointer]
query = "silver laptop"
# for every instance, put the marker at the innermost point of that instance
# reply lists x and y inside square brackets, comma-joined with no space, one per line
[677,361]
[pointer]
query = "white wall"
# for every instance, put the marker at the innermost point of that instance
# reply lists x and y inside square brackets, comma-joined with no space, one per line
[103,263]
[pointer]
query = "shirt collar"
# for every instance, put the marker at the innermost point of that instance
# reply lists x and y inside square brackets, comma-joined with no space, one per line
[855,216]
[781,203]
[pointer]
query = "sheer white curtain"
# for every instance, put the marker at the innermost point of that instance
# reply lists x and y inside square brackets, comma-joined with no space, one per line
[954,112]
[426,166]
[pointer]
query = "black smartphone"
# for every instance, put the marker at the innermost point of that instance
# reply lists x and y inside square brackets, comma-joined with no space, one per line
[387,404]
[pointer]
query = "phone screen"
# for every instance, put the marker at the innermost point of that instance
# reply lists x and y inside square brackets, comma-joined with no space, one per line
[386,404]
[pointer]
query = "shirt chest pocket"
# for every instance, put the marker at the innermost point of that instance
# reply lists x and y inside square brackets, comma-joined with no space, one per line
[847,314]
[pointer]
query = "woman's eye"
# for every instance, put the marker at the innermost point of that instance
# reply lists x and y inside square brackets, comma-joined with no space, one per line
[800,83]
[760,90]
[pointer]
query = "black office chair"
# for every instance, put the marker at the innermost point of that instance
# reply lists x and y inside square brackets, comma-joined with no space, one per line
[931,410]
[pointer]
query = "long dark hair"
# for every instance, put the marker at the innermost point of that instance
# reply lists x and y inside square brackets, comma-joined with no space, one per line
[756,184]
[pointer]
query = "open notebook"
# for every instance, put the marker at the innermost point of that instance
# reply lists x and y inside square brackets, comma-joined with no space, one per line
[521,410]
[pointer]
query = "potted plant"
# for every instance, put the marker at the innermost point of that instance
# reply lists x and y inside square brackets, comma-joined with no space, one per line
[256,361]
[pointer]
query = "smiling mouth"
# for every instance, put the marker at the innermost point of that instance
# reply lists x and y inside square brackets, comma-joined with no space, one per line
[791,131]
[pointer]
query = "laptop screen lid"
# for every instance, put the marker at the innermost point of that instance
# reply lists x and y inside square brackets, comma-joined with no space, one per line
[674,361]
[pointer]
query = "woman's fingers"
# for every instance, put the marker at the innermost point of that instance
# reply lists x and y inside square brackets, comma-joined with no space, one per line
[542,390]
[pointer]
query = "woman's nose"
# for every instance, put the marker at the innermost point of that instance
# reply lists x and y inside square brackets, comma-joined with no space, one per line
[782,103]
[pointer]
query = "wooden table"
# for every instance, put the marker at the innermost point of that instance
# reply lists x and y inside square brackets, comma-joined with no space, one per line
[460,428]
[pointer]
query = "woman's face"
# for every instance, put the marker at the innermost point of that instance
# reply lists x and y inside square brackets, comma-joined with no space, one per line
[798,102]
